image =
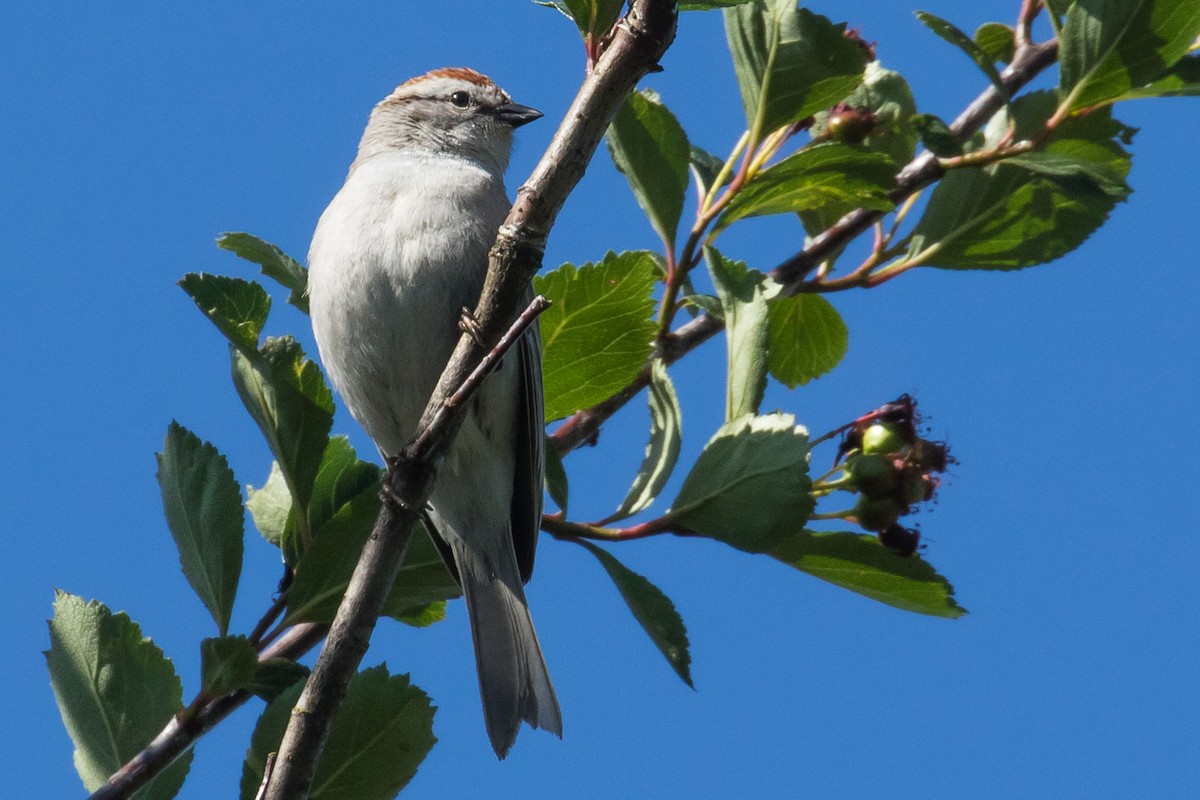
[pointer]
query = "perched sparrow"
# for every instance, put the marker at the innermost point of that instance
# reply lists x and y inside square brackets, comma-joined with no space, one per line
[400,251]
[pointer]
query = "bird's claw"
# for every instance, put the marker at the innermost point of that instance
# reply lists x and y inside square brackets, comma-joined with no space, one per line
[470,326]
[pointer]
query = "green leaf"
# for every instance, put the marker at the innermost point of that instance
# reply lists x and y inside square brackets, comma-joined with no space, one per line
[936,136]
[705,168]
[286,395]
[751,478]
[238,308]
[227,664]
[341,478]
[1110,47]
[275,264]
[744,304]
[861,564]
[596,335]
[950,33]
[594,18]
[998,41]
[1027,211]
[653,610]
[556,478]
[1005,218]
[662,451]
[204,512]
[707,303]
[381,734]
[1181,80]
[833,175]
[650,148]
[115,690]
[324,570]
[276,675]
[421,616]
[790,62]
[270,506]
[807,338]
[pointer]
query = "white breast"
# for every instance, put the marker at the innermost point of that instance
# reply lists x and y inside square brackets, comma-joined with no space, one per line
[396,255]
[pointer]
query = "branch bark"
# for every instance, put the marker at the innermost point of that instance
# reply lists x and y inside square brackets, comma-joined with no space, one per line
[638,42]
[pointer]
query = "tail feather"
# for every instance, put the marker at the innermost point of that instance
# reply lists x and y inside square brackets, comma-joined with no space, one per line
[513,680]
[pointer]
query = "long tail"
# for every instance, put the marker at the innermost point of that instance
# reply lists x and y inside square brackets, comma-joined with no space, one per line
[513,680]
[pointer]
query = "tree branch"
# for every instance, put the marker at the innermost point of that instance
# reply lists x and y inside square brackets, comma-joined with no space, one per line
[1028,62]
[638,42]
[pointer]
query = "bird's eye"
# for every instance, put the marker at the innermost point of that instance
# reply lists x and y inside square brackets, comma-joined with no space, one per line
[460,99]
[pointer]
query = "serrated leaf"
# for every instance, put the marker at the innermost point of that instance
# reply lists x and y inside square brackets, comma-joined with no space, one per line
[1110,47]
[650,148]
[286,396]
[744,307]
[751,478]
[790,62]
[807,338]
[115,690]
[662,450]
[950,33]
[275,676]
[270,506]
[998,41]
[381,734]
[653,610]
[275,264]
[1006,218]
[1181,80]
[1022,212]
[556,478]
[324,571]
[227,664]
[204,513]
[832,175]
[238,308]
[861,564]
[596,335]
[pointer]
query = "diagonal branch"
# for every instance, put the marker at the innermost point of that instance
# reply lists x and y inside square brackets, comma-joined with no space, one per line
[637,43]
[1028,62]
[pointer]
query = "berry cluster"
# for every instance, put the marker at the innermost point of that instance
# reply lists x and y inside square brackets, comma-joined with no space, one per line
[892,469]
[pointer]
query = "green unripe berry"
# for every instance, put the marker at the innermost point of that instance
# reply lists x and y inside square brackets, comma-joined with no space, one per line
[882,437]
[877,514]
[874,475]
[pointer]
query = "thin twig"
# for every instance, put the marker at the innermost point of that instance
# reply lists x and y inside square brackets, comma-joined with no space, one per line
[268,768]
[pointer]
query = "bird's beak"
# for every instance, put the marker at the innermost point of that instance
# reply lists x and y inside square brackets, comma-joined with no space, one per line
[516,114]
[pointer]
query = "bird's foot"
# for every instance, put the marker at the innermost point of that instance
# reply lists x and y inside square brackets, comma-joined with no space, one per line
[470,326]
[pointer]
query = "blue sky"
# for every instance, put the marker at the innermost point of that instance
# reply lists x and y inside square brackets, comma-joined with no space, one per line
[134,133]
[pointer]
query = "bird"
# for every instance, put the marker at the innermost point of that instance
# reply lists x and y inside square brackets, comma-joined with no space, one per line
[397,255]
